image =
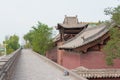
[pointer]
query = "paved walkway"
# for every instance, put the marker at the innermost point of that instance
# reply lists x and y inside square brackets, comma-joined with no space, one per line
[32,67]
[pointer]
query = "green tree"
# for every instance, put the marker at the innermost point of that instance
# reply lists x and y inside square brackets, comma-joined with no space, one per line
[12,44]
[28,38]
[114,13]
[40,38]
[112,48]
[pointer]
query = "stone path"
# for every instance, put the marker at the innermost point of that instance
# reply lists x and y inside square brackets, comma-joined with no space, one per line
[32,67]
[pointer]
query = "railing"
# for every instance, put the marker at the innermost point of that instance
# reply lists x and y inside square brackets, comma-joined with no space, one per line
[7,65]
[75,36]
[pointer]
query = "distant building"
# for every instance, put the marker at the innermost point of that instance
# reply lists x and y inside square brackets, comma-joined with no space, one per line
[2,50]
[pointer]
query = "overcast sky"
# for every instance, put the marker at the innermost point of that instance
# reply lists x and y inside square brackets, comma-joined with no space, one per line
[18,16]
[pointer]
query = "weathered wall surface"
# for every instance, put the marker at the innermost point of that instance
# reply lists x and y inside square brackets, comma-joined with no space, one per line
[71,60]
[52,54]
[91,60]
[96,60]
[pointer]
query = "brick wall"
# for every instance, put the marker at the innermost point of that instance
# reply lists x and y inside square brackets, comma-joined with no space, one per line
[91,60]
[71,60]
[52,54]
[96,60]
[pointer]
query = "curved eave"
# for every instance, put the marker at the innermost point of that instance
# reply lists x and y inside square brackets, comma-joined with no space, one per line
[72,44]
[76,26]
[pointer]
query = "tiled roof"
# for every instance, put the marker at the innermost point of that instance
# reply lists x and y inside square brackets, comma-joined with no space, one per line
[56,38]
[97,73]
[84,37]
[72,22]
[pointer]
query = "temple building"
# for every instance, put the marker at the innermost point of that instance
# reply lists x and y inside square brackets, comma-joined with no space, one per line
[71,27]
[79,47]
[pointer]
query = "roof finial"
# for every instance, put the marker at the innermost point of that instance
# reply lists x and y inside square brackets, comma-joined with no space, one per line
[65,15]
[76,15]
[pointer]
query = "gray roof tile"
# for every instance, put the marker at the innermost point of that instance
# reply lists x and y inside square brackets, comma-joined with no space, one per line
[89,35]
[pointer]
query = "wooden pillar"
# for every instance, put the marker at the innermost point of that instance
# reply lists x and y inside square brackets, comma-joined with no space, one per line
[61,34]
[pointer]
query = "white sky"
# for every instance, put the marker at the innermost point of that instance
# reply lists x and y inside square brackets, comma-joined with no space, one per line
[18,16]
